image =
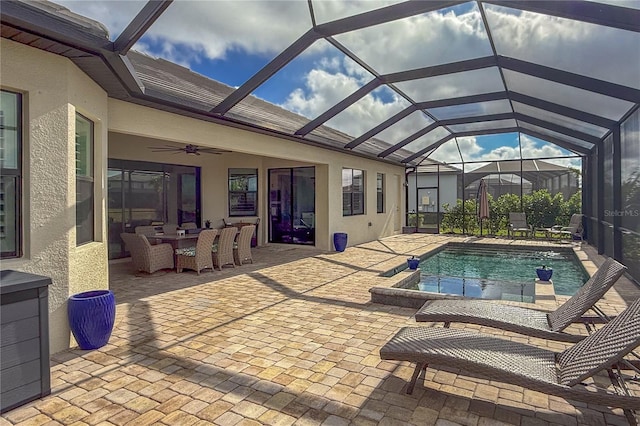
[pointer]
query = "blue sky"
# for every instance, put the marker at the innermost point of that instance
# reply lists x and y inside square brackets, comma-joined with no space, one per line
[230,41]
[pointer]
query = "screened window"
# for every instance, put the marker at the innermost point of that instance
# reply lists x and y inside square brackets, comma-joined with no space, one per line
[84,180]
[352,192]
[243,192]
[10,178]
[380,193]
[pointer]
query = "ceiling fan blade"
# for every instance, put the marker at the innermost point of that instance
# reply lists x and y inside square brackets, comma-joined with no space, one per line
[213,150]
[165,148]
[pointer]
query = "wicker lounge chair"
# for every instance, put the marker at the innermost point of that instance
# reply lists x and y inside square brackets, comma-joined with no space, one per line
[146,257]
[573,230]
[242,248]
[546,325]
[198,257]
[222,253]
[532,367]
[518,224]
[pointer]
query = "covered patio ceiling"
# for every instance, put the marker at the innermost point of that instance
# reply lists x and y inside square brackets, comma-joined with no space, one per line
[572,95]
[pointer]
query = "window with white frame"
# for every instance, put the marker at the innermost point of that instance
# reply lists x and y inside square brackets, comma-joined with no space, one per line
[380,193]
[243,192]
[352,192]
[84,181]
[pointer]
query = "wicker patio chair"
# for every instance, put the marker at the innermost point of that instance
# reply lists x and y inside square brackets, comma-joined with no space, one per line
[546,325]
[573,230]
[170,229]
[198,257]
[189,225]
[148,231]
[222,253]
[242,247]
[518,224]
[562,374]
[146,257]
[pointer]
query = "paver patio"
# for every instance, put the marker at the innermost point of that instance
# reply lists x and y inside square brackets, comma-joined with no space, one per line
[290,339]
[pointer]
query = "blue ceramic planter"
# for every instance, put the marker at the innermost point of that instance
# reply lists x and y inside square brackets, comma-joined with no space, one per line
[91,317]
[413,263]
[544,274]
[340,241]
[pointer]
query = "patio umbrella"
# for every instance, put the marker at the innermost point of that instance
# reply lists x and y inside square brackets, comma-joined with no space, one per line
[483,203]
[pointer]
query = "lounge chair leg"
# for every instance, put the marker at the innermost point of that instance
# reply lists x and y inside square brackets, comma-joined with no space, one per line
[420,366]
[631,417]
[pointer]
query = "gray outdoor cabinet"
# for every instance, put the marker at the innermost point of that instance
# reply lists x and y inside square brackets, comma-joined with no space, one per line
[24,338]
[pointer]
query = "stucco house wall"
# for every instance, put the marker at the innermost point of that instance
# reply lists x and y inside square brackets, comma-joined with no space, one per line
[448,187]
[53,90]
[143,126]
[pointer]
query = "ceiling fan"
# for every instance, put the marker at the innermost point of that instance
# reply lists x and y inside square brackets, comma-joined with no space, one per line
[188,149]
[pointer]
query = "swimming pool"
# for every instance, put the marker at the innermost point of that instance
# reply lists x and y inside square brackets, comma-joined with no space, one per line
[478,270]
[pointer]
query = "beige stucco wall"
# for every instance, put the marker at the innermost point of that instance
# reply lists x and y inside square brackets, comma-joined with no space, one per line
[148,127]
[53,90]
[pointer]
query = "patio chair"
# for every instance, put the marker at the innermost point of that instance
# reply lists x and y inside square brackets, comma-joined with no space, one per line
[148,231]
[242,247]
[562,374]
[573,230]
[146,257]
[189,225]
[222,252]
[518,223]
[532,322]
[170,228]
[198,257]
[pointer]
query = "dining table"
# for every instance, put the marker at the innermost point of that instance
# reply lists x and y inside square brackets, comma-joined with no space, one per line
[177,241]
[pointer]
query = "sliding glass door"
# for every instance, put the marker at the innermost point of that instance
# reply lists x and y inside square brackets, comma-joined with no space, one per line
[292,205]
[149,194]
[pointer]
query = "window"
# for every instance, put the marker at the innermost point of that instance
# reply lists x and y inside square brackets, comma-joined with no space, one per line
[10,178]
[84,180]
[380,193]
[243,192]
[352,192]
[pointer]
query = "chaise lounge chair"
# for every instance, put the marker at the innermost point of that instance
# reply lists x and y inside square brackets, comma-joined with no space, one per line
[531,367]
[518,223]
[545,325]
[574,229]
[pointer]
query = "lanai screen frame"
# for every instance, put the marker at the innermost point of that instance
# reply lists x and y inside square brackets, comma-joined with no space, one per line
[571,137]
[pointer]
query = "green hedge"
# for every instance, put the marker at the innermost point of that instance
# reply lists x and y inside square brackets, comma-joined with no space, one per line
[542,210]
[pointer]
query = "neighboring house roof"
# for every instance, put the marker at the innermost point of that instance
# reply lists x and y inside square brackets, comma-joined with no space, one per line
[157,83]
[531,170]
[433,166]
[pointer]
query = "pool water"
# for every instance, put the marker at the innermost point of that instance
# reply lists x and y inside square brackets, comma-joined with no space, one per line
[479,266]
[478,288]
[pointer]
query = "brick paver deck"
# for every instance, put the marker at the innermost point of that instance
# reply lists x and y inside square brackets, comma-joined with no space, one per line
[291,339]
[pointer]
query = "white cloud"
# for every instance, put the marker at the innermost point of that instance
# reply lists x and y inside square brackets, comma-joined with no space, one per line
[114,14]
[419,41]
[210,28]
[473,150]
[593,50]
